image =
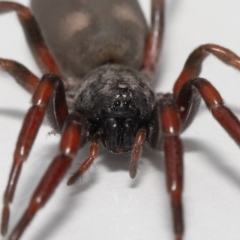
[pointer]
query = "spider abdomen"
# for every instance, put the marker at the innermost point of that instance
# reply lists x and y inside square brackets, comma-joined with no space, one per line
[86,34]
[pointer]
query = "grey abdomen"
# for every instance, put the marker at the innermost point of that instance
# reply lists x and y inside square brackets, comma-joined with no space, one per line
[84,34]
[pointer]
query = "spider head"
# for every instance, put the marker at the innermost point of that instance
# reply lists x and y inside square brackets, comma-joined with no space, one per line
[117,102]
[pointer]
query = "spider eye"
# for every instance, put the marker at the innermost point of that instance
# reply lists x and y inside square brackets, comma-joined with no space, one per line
[117,103]
[122,104]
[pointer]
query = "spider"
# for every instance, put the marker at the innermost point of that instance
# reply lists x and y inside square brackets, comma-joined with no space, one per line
[226,99]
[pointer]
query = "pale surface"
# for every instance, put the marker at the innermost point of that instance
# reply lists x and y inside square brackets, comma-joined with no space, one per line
[107,204]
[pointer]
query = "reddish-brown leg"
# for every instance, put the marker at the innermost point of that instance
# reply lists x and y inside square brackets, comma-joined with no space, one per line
[174,160]
[215,103]
[33,35]
[21,74]
[154,39]
[193,65]
[136,152]
[41,98]
[29,82]
[93,153]
[73,135]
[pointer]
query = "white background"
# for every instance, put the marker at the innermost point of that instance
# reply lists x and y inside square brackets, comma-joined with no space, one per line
[107,204]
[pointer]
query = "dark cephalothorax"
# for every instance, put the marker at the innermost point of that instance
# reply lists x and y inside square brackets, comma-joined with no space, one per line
[117,101]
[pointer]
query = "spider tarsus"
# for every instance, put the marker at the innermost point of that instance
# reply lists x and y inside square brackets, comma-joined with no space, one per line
[5,219]
[179,237]
[133,171]
[73,178]
[2,63]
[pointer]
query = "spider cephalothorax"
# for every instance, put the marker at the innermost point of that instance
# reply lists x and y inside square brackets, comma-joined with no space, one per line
[117,101]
